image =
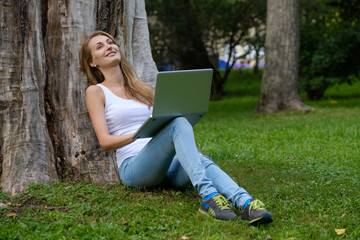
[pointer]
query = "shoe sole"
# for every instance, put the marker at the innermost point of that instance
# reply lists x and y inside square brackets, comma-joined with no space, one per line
[266,218]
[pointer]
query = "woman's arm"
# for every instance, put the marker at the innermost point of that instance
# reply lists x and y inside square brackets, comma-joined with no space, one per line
[95,103]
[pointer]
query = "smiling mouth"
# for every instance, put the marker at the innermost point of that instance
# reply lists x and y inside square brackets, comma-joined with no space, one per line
[111,53]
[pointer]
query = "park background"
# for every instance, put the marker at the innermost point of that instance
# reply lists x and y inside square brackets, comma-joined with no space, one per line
[303,164]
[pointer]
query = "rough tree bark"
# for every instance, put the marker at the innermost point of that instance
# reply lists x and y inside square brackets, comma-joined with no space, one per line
[45,132]
[279,88]
[26,150]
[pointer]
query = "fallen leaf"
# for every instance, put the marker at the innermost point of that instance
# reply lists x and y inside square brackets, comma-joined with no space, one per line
[82,196]
[2,205]
[334,102]
[344,214]
[18,205]
[68,187]
[125,223]
[11,214]
[184,238]
[340,231]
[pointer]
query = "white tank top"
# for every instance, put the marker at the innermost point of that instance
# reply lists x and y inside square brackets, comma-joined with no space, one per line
[124,116]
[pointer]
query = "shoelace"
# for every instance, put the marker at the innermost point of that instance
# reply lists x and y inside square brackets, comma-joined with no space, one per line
[222,202]
[257,205]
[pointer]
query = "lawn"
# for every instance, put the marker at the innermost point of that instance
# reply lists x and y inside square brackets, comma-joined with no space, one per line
[304,166]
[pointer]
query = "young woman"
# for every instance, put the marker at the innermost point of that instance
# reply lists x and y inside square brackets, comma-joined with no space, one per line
[118,104]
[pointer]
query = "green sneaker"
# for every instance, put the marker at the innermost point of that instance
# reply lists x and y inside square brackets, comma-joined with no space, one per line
[218,207]
[256,213]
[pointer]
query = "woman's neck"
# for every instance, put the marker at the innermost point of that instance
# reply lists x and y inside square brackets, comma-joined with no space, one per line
[113,77]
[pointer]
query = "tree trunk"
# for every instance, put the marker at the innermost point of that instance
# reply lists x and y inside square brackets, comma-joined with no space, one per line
[279,89]
[45,130]
[26,149]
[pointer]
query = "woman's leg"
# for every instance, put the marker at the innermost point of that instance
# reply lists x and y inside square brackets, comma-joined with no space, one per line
[176,176]
[150,166]
[254,212]
[224,184]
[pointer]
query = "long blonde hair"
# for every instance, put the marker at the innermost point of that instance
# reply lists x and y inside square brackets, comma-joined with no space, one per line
[137,90]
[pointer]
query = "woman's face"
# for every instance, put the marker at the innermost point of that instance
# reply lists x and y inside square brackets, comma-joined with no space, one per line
[105,53]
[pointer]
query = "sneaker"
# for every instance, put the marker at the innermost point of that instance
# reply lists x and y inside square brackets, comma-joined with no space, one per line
[217,207]
[256,213]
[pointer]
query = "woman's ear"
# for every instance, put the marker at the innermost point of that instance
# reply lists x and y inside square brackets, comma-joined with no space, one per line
[92,64]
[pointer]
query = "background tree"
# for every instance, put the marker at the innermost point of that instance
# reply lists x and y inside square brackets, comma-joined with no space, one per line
[45,131]
[192,32]
[279,87]
[330,39]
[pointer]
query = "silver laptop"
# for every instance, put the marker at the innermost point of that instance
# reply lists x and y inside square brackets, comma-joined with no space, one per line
[178,93]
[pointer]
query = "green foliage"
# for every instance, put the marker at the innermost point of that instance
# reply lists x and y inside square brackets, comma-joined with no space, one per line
[190,32]
[3,196]
[304,167]
[330,35]
[213,26]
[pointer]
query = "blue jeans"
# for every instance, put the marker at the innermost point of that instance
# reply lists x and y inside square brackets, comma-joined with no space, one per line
[171,157]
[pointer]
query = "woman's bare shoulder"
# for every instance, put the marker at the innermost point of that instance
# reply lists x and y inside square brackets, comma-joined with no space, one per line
[95,93]
[93,90]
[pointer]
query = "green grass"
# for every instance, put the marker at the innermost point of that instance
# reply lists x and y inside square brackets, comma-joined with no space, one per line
[304,167]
